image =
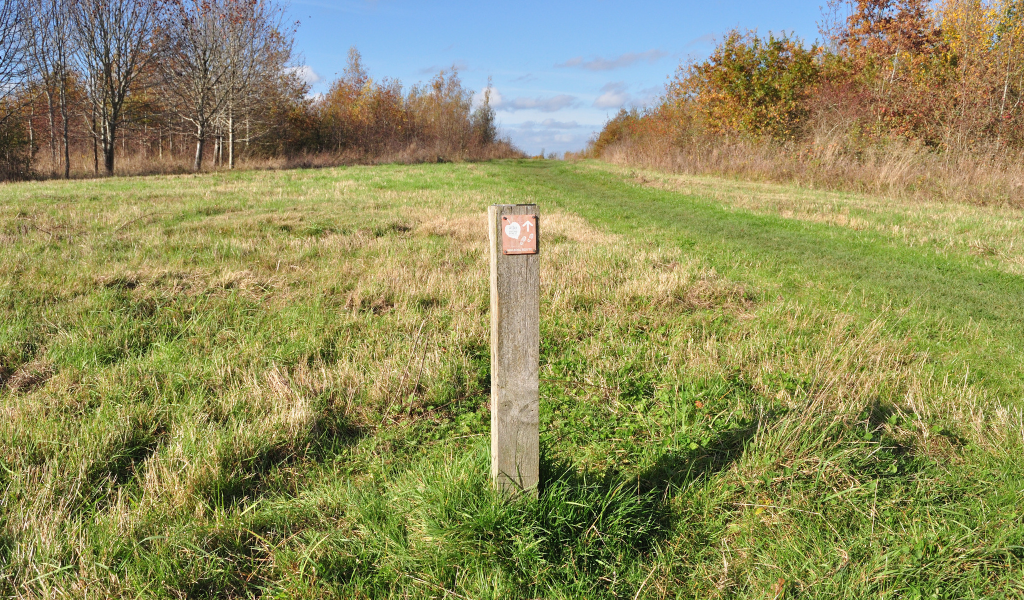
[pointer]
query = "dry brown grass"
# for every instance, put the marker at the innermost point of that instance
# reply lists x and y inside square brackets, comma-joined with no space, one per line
[133,164]
[894,171]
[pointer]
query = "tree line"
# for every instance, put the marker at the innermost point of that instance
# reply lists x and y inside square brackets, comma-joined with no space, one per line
[207,81]
[942,78]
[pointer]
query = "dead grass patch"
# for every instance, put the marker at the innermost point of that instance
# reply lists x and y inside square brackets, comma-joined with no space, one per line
[30,376]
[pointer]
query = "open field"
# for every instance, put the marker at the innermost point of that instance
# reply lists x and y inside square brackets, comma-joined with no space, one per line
[276,383]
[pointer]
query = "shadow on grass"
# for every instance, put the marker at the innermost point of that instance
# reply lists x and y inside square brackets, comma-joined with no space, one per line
[232,561]
[676,469]
[258,473]
[6,548]
[587,524]
[588,534]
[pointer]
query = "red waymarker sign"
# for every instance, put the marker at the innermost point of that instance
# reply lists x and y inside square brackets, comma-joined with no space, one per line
[519,234]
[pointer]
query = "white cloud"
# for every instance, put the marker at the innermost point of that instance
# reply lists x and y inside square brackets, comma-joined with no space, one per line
[623,60]
[496,99]
[549,104]
[305,73]
[614,96]
[548,124]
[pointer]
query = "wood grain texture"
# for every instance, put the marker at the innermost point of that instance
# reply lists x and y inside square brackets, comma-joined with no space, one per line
[515,358]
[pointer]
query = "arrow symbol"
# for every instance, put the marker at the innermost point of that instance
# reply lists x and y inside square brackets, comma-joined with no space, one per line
[527,225]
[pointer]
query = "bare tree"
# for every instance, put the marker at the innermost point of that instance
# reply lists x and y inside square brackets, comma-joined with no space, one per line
[49,49]
[220,55]
[114,39]
[196,63]
[259,47]
[12,51]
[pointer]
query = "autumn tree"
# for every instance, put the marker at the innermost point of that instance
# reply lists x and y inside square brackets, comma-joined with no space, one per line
[750,85]
[485,125]
[885,28]
[986,38]
[442,112]
[360,113]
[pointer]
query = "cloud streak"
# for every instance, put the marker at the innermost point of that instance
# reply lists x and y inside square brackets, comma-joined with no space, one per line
[624,60]
[549,104]
[459,65]
[549,124]
[541,103]
[707,39]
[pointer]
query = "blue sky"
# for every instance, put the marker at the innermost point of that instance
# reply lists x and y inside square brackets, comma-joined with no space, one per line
[560,69]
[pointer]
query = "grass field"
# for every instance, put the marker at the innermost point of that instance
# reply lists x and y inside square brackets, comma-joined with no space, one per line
[276,383]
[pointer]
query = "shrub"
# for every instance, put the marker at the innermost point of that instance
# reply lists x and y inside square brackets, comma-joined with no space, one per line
[751,85]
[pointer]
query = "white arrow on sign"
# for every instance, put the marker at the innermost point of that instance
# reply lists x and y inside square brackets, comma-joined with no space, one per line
[527,225]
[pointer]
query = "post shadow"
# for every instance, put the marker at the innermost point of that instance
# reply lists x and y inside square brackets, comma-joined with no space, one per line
[640,502]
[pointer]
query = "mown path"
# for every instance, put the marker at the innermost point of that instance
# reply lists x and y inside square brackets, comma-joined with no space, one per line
[949,303]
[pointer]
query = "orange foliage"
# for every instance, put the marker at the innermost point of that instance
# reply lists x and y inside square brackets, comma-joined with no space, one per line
[377,118]
[946,75]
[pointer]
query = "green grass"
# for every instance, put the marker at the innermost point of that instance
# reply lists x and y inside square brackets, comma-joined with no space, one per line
[276,383]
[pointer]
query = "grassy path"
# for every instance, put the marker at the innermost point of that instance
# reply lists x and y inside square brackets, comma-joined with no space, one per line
[954,304]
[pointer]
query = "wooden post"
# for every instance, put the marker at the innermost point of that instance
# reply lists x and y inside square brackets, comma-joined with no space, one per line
[515,346]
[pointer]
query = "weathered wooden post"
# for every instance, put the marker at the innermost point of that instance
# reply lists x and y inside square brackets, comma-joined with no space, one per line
[515,346]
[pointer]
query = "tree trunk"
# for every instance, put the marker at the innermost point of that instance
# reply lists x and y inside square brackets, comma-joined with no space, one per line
[95,144]
[200,142]
[231,137]
[64,123]
[31,132]
[109,146]
[53,133]
[1006,87]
